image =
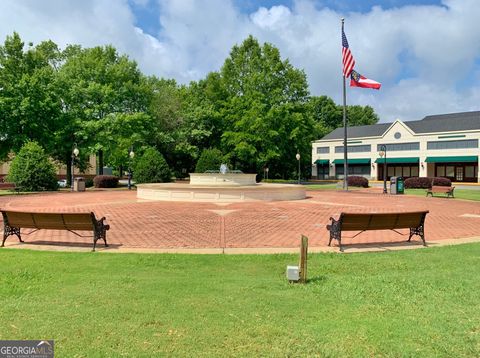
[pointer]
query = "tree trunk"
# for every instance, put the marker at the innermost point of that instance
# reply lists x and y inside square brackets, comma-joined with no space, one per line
[100,162]
[68,162]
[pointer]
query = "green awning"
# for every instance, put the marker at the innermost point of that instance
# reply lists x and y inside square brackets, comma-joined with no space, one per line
[352,161]
[322,162]
[405,160]
[458,159]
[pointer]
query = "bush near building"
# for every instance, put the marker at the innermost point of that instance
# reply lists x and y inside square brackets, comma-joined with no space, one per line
[426,182]
[152,168]
[105,181]
[357,181]
[31,170]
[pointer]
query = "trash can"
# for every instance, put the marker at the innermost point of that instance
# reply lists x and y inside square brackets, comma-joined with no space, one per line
[400,185]
[393,185]
[79,184]
[397,185]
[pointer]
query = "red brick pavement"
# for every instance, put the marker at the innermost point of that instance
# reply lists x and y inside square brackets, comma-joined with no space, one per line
[156,225]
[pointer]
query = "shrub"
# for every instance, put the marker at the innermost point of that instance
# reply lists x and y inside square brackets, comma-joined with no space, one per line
[105,181]
[88,183]
[152,168]
[210,159]
[31,170]
[357,181]
[440,181]
[426,183]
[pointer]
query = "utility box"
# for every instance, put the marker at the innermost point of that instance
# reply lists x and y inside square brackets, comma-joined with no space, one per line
[397,185]
[79,184]
[293,273]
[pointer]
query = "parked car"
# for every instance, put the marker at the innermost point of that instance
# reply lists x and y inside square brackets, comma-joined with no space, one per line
[62,183]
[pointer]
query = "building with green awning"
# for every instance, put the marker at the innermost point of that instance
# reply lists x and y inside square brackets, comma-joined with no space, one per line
[445,145]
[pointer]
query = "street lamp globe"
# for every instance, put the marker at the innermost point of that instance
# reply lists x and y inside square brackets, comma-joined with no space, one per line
[297,156]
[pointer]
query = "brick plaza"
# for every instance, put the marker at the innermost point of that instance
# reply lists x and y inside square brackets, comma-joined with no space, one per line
[253,226]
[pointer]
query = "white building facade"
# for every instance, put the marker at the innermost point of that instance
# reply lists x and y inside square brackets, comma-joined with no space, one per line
[436,146]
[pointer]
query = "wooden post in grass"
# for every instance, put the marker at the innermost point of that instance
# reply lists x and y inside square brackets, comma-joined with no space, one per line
[303,259]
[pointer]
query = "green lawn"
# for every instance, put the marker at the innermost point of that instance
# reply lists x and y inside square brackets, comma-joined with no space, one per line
[415,303]
[468,194]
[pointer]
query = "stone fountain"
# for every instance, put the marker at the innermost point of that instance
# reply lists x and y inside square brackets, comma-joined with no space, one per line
[220,186]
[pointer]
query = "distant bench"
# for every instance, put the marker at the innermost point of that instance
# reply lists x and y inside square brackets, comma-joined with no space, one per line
[414,221]
[13,221]
[435,189]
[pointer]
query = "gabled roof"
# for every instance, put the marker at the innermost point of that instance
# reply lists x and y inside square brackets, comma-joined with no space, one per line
[446,123]
[430,124]
[373,130]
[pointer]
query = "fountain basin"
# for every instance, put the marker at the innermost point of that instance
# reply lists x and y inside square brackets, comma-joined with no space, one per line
[220,193]
[219,179]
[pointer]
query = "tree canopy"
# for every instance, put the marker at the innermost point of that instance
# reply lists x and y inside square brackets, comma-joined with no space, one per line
[256,109]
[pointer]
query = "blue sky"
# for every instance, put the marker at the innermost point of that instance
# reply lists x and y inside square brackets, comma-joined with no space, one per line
[425,53]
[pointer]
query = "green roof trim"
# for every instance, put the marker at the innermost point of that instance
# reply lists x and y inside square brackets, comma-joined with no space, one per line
[451,136]
[398,160]
[353,161]
[354,142]
[462,159]
[322,162]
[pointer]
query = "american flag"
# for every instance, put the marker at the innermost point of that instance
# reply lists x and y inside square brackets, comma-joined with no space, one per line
[348,61]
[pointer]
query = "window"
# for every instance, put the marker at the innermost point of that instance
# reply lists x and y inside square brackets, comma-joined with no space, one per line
[414,172]
[453,144]
[470,171]
[440,171]
[353,170]
[450,172]
[354,148]
[323,150]
[406,171]
[398,171]
[397,135]
[391,171]
[400,146]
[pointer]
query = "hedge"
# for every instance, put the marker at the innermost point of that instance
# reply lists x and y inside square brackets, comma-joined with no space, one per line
[357,181]
[426,182]
[105,181]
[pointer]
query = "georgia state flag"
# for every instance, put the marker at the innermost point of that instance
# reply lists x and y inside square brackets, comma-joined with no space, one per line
[357,80]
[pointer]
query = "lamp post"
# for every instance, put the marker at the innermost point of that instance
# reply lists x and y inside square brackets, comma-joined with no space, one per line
[298,159]
[383,153]
[75,153]
[131,154]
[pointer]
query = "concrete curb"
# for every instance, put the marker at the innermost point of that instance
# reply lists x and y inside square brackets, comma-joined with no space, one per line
[353,248]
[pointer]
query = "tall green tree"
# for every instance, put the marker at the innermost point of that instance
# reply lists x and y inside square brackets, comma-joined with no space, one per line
[106,100]
[328,115]
[266,121]
[30,105]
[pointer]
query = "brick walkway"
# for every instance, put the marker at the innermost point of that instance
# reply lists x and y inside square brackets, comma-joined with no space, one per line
[162,225]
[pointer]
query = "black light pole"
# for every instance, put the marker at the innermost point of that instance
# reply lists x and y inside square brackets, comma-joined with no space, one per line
[75,153]
[131,154]
[383,154]
[298,159]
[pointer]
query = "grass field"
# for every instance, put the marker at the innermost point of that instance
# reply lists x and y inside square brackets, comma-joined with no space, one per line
[415,303]
[467,194]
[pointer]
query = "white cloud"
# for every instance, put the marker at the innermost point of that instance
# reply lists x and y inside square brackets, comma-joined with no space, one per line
[421,54]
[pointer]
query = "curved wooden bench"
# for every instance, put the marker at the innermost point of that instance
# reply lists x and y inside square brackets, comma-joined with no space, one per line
[13,221]
[415,221]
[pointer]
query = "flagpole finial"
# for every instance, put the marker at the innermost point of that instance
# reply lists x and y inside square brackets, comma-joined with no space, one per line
[343,20]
